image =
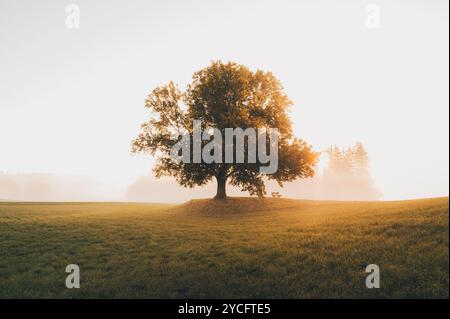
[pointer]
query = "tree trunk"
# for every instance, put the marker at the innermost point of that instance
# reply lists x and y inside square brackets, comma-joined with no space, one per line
[221,187]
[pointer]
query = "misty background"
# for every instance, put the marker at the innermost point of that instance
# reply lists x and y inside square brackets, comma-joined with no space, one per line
[71,100]
[343,174]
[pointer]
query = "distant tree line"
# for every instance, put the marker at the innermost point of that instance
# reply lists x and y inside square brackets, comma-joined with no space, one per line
[347,175]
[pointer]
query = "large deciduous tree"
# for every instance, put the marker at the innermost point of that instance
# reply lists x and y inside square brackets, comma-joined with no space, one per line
[223,96]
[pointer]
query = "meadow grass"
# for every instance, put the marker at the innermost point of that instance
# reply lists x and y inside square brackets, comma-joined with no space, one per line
[241,248]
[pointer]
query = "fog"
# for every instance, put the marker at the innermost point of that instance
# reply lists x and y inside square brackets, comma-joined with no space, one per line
[342,174]
[54,187]
[72,100]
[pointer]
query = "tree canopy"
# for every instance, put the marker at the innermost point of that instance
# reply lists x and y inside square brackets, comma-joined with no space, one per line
[221,96]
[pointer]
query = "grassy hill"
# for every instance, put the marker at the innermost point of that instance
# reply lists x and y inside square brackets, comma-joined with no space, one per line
[271,248]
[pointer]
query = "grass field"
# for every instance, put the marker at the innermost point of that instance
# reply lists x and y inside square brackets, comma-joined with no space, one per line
[271,248]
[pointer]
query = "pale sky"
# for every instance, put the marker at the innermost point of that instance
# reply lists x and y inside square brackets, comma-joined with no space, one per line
[71,100]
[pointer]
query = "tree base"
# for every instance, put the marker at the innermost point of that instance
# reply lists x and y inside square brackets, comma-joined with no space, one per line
[220,197]
[221,188]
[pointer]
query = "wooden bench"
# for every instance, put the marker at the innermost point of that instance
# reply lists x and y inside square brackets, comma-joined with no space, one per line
[276,195]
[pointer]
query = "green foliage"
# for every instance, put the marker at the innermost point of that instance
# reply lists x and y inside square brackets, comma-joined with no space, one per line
[223,96]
